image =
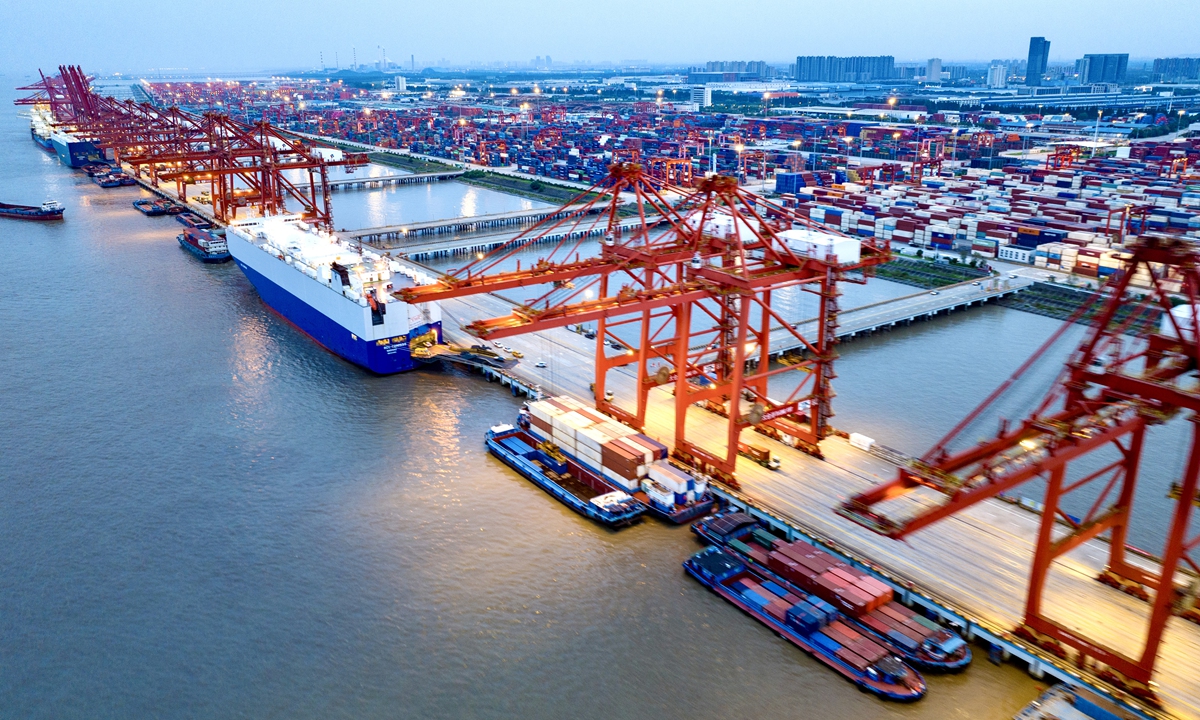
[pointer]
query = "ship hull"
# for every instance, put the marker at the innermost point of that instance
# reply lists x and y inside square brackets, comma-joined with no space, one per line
[312,308]
[75,153]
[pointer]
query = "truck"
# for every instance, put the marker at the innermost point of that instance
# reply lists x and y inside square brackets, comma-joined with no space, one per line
[762,456]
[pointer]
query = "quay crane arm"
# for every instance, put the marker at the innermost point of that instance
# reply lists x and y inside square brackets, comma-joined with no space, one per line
[1135,367]
[691,273]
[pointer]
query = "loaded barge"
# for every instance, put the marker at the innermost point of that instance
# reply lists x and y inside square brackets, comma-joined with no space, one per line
[563,477]
[866,603]
[808,622]
[51,210]
[621,457]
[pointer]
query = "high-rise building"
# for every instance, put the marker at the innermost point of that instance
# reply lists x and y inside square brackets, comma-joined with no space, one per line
[1039,58]
[1177,68]
[933,70]
[702,96]
[828,68]
[1108,68]
[401,84]
[997,76]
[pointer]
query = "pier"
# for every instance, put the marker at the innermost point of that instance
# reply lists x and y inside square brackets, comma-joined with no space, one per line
[970,569]
[386,180]
[389,236]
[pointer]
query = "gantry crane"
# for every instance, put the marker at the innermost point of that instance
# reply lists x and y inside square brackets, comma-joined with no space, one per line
[693,271]
[246,165]
[1136,367]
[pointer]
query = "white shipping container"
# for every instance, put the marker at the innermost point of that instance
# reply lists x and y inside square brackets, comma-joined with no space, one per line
[670,477]
[591,438]
[821,245]
[627,484]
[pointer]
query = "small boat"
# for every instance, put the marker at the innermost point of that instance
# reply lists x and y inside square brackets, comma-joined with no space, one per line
[50,210]
[169,207]
[207,245]
[568,481]
[123,178]
[192,220]
[149,208]
[106,181]
[95,169]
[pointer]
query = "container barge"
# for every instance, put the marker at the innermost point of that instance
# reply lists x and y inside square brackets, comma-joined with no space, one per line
[338,294]
[623,458]
[808,622]
[563,477]
[867,604]
[208,246]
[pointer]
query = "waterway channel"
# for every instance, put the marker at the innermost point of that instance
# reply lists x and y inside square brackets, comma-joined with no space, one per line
[207,516]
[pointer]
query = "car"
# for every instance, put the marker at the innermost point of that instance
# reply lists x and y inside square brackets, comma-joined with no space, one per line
[616,345]
[518,354]
[976,283]
[590,335]
[540,364]
[1012,277]
[507,349]
[933,292]
[497,343]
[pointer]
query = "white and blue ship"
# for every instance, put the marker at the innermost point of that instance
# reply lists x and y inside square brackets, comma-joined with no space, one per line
[339,294]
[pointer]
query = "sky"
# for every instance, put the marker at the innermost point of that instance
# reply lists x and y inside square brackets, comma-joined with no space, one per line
[224,35]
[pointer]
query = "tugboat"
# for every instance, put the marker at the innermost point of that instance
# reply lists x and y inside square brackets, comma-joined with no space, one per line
[207,245]
[149,208]
[50,210]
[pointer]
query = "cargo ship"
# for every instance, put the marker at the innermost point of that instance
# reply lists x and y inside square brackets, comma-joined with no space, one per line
[207,245]
[563,477]
[338,294]
[73,151]
[808,622]
[192,220]
[49,210]
[41,128]
[866,603]
[622,457]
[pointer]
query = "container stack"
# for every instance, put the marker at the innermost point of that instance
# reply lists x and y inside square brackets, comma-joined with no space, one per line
[846,588]
[601,444]
[669,486]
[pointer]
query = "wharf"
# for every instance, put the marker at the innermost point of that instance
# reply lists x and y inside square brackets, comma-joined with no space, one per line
[420,250]
[972,566]
[384,180]
[396,233]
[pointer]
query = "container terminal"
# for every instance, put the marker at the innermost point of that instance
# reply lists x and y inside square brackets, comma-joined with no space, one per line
[697,391]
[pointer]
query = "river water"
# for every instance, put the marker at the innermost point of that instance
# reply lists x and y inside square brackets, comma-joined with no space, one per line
[204,515]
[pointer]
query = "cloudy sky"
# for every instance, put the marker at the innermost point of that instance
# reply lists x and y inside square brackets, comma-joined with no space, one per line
[216,35]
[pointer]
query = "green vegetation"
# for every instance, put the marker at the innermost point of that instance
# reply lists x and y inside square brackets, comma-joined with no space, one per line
[535,189]
[410,163]
[926,273]
[1062,302]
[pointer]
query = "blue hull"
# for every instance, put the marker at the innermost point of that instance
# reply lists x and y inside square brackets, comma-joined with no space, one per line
[539,478]
[203,256]
[383,357]
[77,154]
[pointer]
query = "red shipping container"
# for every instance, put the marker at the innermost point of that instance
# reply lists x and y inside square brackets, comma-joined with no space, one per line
[778,610]
[873,621]
[898,611]
[919,629]
[841,633]
[845,574]
[869,650]
[852,659]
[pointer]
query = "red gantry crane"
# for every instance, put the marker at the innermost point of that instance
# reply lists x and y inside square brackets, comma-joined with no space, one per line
[245,166]
[1118,382]
[683,285]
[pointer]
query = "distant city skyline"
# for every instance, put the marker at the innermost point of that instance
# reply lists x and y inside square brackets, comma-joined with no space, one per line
[137,35]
